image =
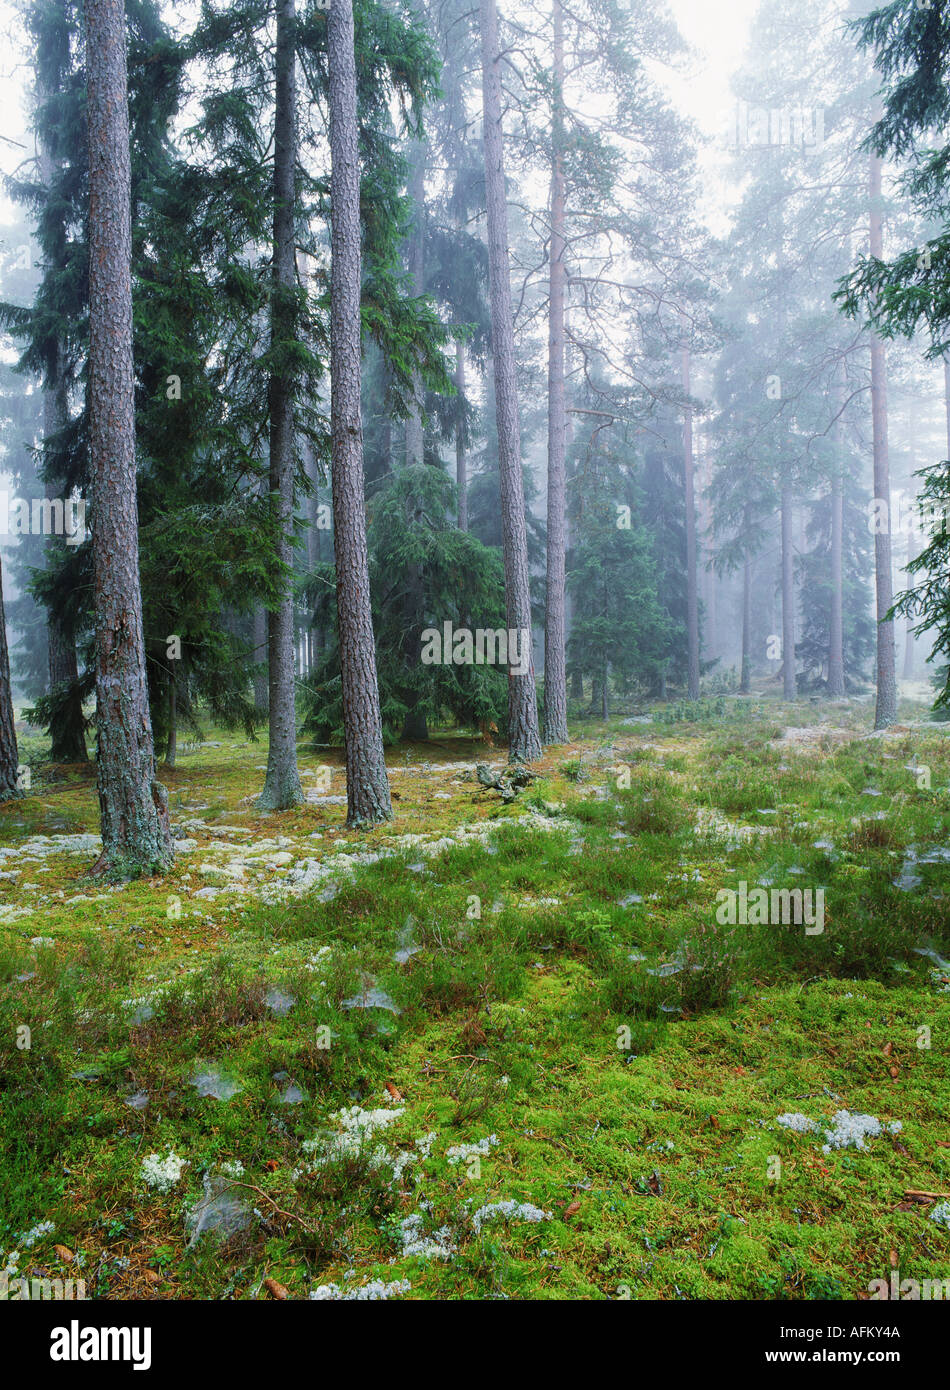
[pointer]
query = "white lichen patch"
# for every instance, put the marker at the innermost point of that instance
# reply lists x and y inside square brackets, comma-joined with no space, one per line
[162,1174]
[508,1211]
[376,1289]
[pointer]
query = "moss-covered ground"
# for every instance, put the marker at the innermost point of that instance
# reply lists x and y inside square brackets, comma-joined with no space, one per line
[546,981]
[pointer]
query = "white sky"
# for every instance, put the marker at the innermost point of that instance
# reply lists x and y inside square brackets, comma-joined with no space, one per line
[718,30]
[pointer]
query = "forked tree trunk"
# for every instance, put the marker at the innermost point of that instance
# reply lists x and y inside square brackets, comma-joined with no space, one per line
[555,662]
[524,742]
[789,690]
[886,708]
[133,805]
[282,780]
[692,588]
[367,786]
[9,757]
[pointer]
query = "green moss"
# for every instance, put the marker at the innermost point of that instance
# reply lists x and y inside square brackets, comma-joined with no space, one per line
[639,1109]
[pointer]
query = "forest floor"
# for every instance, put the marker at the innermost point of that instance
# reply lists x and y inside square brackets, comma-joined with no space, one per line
[491,1050]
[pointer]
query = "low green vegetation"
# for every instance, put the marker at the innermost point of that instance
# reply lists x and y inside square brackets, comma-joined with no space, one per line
[311,1021]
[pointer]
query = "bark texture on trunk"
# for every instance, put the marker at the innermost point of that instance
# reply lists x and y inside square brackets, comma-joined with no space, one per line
[282,780]
[692,587]
[133,805]
[789,690]
[367,786]
[885,712]
[9,756]
[555,661]
[524,741]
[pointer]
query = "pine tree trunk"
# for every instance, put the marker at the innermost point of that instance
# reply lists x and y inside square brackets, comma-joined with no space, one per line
[367,786]
[461,462]
[555,663]
[836,687]
[133,805]
[577,675]
[886,709]
[282,781]
[692,588]
[524,743]
[789,688]
[745,677]
[9,757]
